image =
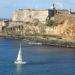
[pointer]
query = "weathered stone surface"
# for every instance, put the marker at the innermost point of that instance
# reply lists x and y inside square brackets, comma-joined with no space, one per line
[30,15]
[2,24]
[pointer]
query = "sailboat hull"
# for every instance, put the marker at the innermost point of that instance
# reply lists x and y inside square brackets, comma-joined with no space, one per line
[20,62]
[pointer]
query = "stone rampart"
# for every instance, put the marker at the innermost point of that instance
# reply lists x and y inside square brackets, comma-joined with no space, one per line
[30,15]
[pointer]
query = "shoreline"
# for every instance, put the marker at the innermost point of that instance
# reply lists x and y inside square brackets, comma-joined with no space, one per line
[43,41]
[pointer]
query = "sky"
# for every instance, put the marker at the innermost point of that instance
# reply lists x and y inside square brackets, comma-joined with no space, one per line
[8,7]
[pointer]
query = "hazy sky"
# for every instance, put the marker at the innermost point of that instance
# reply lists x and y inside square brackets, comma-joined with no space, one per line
[8,7]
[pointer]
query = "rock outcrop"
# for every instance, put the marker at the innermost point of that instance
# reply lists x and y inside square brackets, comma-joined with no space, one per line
[66,26]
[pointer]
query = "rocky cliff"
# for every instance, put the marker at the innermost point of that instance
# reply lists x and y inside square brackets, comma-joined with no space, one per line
[34,22]
[66,26]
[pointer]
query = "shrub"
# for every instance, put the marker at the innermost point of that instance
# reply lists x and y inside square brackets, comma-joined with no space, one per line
[51,23]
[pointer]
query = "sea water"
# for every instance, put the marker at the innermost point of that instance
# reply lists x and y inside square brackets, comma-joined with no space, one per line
[41,60]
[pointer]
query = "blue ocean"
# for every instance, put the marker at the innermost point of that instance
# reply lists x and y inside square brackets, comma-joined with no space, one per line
[41,60]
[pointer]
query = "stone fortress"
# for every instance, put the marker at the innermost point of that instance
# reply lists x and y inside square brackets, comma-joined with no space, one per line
[22,17]
[32,14]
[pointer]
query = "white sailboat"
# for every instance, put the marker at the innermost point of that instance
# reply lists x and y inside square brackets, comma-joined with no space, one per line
[19,58]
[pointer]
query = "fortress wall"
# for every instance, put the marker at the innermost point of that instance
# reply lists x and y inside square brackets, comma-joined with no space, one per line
[63,11]
[2,23]
[30,15]
[41,15]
